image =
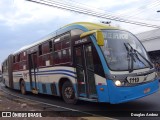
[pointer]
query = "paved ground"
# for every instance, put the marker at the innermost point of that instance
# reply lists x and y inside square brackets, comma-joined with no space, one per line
[149,103]
[9,103]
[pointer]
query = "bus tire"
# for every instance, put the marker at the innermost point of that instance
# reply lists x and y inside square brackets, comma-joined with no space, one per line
[68,93]
[22,87]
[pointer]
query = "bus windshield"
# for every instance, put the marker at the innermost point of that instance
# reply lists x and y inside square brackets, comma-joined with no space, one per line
[123,51]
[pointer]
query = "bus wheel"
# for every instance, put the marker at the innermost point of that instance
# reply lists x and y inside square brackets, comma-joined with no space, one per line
[68,93]
[22,87]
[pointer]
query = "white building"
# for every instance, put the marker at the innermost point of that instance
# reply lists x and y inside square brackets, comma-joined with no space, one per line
[150,39]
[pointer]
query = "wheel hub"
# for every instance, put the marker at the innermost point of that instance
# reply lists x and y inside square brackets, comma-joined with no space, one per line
[68,92]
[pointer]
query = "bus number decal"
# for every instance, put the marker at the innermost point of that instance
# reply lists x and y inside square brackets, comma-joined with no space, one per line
[133,80]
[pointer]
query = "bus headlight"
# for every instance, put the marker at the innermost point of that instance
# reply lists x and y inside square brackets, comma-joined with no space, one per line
[118,83]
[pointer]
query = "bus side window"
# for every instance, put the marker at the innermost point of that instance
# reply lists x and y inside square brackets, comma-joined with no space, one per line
[50,46]
[45,48]
[66,51]
[45,55]
[40,50]
[57,53]
[2,68]
[14,59]
[62,49]
[18,58]
[89,57]
[78,56]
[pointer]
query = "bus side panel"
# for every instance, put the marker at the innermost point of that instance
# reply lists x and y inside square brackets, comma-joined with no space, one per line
[21,75]
[45,88]
[25,76]
[6,73]
[16,78]
[48,79]
[102,94]
[27,85]
[102,88]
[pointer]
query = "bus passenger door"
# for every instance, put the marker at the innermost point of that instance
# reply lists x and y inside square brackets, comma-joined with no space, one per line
[83,58]
[32,72]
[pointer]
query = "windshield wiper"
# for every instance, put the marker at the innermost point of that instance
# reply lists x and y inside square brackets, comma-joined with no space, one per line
[136,53]
[130,56]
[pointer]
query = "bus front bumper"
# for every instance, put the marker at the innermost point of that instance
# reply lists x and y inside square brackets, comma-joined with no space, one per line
[125,94]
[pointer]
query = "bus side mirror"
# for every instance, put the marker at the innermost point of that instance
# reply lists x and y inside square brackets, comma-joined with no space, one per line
[99,36]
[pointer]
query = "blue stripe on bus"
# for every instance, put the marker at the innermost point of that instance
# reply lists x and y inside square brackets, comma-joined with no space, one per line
[17,74]
[53,73]
[57,71]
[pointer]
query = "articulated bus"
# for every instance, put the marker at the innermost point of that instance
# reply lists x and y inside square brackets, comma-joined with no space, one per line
[83,61]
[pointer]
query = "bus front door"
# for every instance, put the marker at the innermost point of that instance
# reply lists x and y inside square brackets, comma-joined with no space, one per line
[32,72]
[83,58]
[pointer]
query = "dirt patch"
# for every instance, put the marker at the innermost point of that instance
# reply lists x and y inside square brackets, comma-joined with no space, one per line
[9,103]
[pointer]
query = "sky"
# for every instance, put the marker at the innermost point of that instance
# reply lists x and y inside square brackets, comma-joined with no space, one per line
[23,22]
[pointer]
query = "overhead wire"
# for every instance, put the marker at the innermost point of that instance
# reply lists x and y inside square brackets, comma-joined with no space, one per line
[138,10]
[142,8]
[78,9]
[153,4]
[141,11]
[72,7]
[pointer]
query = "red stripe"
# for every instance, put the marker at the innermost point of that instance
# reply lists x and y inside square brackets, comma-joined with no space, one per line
[100,84]
[81,82]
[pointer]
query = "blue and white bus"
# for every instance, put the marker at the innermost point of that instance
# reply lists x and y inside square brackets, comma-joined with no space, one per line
[83,61]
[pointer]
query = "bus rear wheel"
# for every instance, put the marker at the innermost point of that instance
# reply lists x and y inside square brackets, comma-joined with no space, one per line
[68,93]
[22,87]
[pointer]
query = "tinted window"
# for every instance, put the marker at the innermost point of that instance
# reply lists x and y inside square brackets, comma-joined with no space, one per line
[89,57]
[62,50]
[45,48]
[78,56]
[65,44]
[40,49]
[57,46]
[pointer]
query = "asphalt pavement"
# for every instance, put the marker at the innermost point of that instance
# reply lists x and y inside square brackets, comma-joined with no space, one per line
[150,104]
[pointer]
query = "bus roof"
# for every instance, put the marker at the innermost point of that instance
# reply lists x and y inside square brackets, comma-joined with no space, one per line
[87,25]
[92,26]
